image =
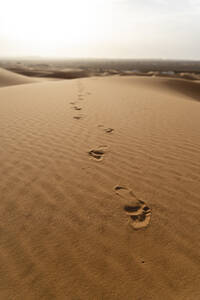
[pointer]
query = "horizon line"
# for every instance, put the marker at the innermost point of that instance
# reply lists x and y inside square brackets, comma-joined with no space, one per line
[34,57]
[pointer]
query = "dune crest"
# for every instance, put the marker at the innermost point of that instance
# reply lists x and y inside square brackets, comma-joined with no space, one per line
[8,78]
[186,88]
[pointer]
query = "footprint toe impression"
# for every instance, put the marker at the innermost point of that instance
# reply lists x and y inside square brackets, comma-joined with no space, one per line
[138,212]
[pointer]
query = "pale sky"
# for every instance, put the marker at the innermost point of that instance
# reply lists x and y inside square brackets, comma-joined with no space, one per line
[100,28]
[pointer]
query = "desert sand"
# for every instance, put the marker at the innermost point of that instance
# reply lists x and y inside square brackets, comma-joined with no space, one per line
[99,189]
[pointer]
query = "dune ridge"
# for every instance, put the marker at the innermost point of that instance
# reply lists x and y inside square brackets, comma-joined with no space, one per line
[8,78]
[65,232]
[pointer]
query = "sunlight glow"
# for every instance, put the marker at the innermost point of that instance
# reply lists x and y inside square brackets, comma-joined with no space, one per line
[49,24]
[100,28]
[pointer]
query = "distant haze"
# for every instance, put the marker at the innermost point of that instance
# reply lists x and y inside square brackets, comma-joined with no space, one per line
[100,28]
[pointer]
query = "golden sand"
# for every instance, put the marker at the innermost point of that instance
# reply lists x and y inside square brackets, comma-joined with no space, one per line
[87,212]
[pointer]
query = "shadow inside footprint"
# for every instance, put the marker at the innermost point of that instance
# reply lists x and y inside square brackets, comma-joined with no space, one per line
[97,153]
[139,213]
[131,209]
[119,187]
[77,117]
[109,130]
[77,108]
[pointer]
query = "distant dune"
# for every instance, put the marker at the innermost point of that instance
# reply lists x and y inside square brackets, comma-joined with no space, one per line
[82,68]
[99,189]
[186,88]
[8,78]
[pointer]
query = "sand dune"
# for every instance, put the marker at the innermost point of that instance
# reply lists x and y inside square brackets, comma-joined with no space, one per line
[188,89]
[100,194]
[8,78]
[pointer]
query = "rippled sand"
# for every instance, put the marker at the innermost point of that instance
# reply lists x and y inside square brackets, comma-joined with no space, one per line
[99,189]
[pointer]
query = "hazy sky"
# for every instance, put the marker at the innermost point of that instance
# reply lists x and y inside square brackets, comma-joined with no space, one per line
[100,28]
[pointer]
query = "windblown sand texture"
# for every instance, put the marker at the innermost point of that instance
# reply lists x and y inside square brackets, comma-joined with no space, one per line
[99,189]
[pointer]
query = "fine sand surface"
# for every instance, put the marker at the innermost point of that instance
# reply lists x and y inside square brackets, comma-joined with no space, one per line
[99,189]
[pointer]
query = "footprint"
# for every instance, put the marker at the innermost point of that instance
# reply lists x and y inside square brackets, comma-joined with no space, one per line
[137,210]
[77,117]
[77,108]
[109,130]
[97,153]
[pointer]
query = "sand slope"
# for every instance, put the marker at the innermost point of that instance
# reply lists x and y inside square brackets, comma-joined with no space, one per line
[66,229]
[8,78]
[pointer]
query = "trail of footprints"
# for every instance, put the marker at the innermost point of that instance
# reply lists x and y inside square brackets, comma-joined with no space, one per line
[137,211]
[75,105]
